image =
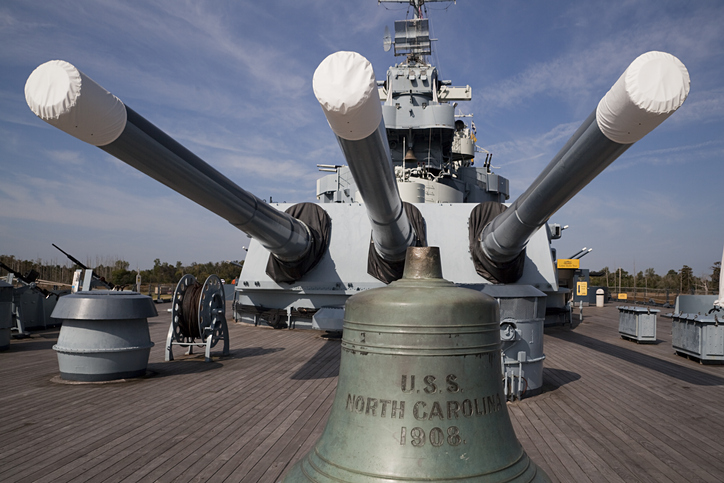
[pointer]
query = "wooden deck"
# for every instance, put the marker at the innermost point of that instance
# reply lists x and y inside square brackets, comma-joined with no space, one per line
[611,410]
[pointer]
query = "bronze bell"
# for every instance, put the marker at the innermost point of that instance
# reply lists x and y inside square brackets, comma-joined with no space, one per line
[410,156]
[420,395]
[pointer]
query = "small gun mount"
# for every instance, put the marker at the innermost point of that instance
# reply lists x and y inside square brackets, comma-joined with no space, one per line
[31,305]
[85,278]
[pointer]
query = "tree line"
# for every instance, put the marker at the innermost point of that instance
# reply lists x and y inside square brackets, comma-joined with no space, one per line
[118,271]
[680,281]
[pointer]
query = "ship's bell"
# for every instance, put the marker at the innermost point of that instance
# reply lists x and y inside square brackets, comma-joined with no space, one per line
[420,394]
[410,156]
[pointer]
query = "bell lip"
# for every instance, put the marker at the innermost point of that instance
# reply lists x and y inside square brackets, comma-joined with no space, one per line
[422,263]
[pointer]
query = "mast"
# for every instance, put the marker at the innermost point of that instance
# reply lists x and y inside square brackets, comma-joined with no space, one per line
[415,4]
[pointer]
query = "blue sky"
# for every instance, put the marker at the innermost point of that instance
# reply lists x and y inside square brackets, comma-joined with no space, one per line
[231,80]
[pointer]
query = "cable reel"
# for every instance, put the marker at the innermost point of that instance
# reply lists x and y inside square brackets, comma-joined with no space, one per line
[198,312]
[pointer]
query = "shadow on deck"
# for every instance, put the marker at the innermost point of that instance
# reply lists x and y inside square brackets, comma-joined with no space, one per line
[682,373]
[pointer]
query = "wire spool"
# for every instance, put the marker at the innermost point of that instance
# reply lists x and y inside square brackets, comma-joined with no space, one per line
[198,312]
[212,309]
[189,316]
[182,311]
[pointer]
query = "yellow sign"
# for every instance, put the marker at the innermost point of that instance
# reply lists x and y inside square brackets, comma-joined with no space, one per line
[569,263]
[623,296]
[582,289]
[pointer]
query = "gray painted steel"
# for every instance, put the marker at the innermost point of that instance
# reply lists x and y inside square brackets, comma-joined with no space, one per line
[342,271]
[522,319]
[420,396]
[637,323]
[697,328]
[435,116]
[695,304]
[98,304]
[151,151]
[584,156]
[33,308]
[371,166]
[104,335]
[6,314]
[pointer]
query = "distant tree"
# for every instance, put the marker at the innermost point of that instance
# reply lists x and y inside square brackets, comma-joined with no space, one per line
[163,272]
[652,280]
[121,265]
[123,277]
[117,271]
[639,281]
[600,280]
[670,281]
[179,270]
[715,274]
[229,270]
[687,278]
[622,277]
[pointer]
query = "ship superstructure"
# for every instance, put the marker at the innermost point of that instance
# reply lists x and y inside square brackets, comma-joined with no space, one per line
[432,148]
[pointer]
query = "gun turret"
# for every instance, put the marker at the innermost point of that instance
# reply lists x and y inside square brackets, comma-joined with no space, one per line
[654,86]
[345,86]
[66,98]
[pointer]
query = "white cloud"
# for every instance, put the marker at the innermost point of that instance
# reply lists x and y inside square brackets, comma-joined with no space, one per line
[674,156]
[588,69]
[65,157]
[701,106]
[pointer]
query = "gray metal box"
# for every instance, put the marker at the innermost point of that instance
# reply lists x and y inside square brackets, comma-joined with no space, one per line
[6,314]
[637,323]
[697,328]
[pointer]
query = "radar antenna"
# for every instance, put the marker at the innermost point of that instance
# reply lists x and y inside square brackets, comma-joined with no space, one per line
[415,4]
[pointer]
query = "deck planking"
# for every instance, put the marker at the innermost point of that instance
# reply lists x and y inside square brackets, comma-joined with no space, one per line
[611,410]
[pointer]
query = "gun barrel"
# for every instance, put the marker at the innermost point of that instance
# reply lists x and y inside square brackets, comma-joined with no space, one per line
[64,97]
[345,86]
[70,257]
[17,275]
[93,272]
[654,86]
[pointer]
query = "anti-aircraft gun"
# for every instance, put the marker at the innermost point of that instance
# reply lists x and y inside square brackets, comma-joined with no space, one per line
[31,305]
[410,181]
[85,278]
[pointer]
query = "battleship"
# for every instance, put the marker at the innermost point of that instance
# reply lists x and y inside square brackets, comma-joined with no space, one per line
[411,180]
